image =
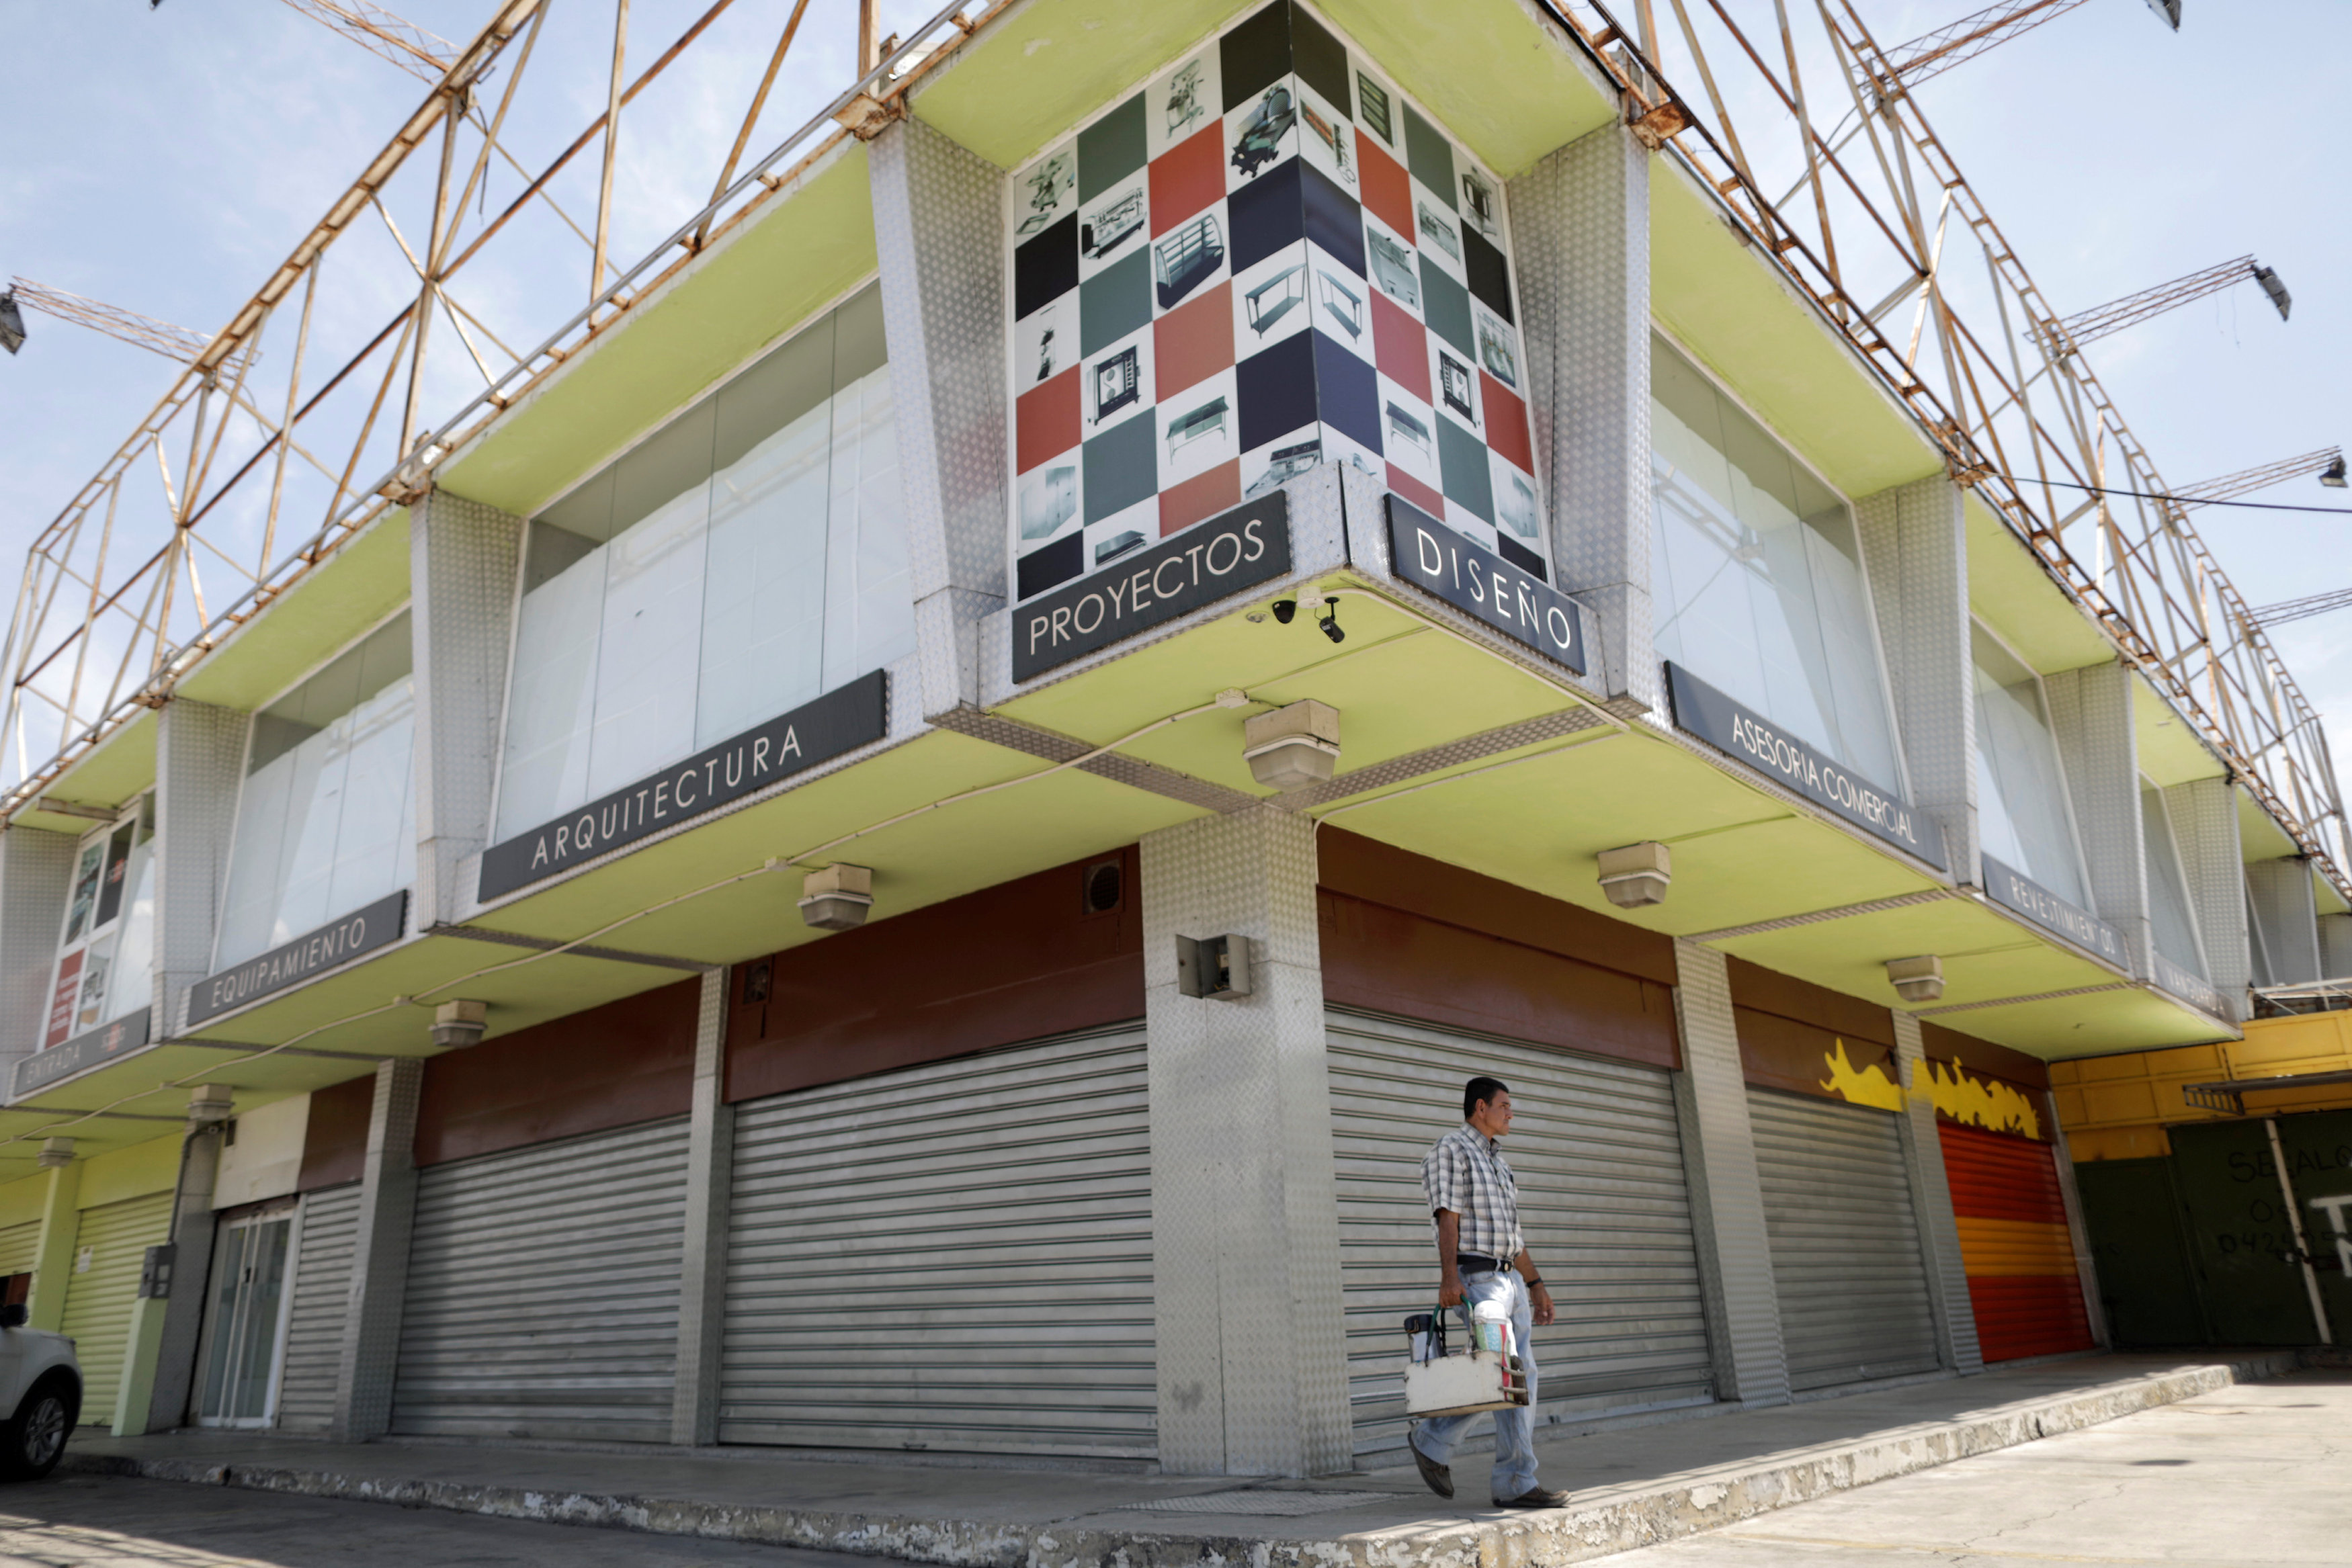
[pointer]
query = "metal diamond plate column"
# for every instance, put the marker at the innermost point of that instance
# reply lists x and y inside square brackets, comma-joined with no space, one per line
[2286,920]
[199,757]
[2091,710]
[2336,946]
[380,1256]
[1743,1308]
[710,1182]
[1915,550]
[1931,1200]
[2205,823]
[462,559]
[935,209]
[2070,1198]
[34,868]
[1244,1203]
[1581,220]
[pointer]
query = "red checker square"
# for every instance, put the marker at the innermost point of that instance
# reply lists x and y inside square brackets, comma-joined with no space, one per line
[1506,423]
[1045,419]
[1194,341]
[1387,188]
[1187,178]
[1200,496]
[1413,490]
[1400,346]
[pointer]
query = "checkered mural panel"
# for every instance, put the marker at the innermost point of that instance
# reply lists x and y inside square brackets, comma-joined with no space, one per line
[1265,259]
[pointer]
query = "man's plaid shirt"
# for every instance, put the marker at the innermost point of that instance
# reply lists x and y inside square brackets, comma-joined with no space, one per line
[1463,1171]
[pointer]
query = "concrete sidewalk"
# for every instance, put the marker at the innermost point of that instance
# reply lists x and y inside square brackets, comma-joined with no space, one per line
[1631,1486]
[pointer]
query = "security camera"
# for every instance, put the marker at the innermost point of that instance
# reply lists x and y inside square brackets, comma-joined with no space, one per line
[1284,608]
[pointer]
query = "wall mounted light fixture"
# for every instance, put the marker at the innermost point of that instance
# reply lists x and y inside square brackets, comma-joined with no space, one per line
[1292,746]
[1637,875]
[837,898]
[1920,979]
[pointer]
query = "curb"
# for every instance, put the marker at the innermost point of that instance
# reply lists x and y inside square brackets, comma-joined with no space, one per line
[1598,1528]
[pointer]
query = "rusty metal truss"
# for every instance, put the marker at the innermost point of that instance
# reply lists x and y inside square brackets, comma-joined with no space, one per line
[1816,146]
[1871,219]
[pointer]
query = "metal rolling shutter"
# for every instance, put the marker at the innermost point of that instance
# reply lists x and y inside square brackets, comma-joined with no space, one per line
[1846,1263]
[956,1256]
[2015,1245]
[543,1290]
[98,1298]
[20,1248]
[314,1324]
[1597,1152]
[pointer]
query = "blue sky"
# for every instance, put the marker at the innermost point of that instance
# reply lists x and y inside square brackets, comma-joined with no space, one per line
[165,160]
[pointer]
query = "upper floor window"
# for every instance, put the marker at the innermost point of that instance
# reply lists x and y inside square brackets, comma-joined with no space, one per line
[749,555]
[2168,909]
[1757,574]
[2022,816]
[326,822]
[106,953]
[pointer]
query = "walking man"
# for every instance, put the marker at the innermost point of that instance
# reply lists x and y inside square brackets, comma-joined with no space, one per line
[1482,1256]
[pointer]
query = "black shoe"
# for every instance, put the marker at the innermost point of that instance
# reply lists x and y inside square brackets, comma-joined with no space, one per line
[1534,1496]
[1439,1477]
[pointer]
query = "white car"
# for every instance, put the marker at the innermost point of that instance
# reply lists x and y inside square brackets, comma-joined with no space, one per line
[40,1385]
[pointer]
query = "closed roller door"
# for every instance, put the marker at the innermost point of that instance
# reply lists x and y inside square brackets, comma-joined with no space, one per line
[2015,1245]
[314,1321]
[953,1257]
[114,1239]
[1597,1152]
[542,1291]
[20,1248]
[1846,1263]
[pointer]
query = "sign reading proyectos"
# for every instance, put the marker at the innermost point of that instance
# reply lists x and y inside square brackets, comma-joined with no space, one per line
[1474,578]
[2016,891]
[1770,750]
[841,720]
[1206,562]
[337,942]
[88,1049]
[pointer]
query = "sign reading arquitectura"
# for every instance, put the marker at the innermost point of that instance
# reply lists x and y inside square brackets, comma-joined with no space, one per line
[1756,741]
[842,719]
[337,942]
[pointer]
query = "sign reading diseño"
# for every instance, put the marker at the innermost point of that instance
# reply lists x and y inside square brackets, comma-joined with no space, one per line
[1475,580]
[1756,741]
[337,942]
[1206,562]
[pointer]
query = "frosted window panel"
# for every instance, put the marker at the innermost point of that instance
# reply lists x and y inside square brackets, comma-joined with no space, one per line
[315,809]
[870,616]
[764,616]
[378,819]
[135,953]
[651,649]
[2022,812]
[2167,890]
[552,701]
[253,874]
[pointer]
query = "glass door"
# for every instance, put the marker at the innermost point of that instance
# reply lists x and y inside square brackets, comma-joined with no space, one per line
[246,1321]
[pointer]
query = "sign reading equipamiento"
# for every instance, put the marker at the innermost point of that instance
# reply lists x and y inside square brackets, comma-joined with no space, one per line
[1206,562]
[1770,750]
[337,942]
[1472,577]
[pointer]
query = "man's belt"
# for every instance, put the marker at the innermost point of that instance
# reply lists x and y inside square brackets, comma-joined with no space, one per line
[1479,1263]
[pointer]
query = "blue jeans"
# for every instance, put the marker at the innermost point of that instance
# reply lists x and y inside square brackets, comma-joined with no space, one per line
[1515,1452]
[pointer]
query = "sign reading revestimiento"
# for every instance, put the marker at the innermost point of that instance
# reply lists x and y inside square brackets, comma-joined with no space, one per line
[1754,740]
[841,720]
[1427,554]
[338,942]
[2013,890]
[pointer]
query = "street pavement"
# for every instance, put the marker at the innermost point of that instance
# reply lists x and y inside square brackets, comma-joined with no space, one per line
[92,1522]
[2258,1473]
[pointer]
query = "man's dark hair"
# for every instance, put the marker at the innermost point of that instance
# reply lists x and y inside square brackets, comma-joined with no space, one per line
[1477,1091]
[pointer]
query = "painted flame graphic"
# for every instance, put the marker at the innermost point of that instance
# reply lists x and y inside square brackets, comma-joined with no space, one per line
[1868,1086]
[1981,1103]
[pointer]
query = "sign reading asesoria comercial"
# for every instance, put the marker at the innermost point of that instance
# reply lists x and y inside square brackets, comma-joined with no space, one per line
[1769,749]
[842,719]
[337,942]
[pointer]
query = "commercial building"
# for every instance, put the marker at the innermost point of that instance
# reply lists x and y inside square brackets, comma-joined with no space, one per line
[907,853]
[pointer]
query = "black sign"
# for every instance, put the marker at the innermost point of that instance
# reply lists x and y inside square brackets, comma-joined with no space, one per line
[337,942]
[2190,988]
[1763,746]
[1474,578]
[88,1049]
[842,719]
[1206,562]
[2015,889]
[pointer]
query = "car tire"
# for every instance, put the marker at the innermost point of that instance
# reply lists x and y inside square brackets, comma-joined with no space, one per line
[33,1439]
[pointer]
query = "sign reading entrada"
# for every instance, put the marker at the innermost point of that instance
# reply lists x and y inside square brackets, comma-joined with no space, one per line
[841,720]
[88,1049]
[1474,578]
[1733,729]
[337,942]
[2016,891]
[1206,562]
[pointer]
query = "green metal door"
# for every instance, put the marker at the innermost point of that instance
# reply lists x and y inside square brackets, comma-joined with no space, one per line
[2146,1279]
[2318,1146]
[2240,1236]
